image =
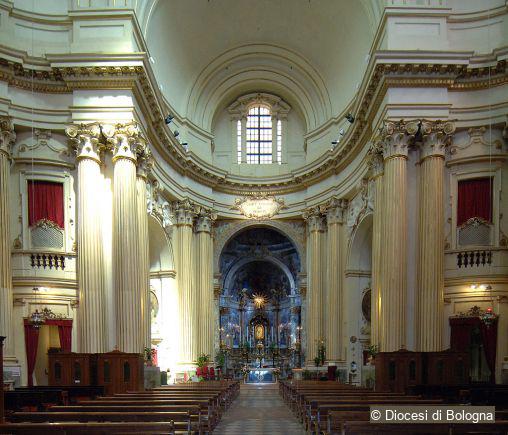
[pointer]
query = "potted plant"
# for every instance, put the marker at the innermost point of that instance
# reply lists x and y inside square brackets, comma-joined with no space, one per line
[220,359]
[149,355]
[276,373]
[203,360]
[372,351]
[322,352]
[317,360]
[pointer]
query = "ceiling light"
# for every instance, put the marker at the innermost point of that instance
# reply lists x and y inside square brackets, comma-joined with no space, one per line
[350,117]
[168,119]
[176,133]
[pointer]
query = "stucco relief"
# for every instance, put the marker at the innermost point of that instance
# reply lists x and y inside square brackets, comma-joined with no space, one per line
[361,205]
[158,207]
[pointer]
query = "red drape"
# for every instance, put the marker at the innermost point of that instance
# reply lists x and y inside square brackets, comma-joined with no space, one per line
[474,199]
[45,201]
[64,332]
[489,337]
[31,343]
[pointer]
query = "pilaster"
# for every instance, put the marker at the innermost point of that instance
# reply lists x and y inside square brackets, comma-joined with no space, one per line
[334,290]
[315,308]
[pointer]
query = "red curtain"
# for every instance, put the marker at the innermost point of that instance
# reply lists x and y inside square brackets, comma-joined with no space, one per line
[45,201]
[474,199]
[489,337]
[31,343]
[64,332]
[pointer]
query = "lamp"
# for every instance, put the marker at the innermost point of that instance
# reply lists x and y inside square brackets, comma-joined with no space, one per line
[37,318]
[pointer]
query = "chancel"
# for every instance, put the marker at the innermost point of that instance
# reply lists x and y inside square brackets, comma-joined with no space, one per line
[252,217]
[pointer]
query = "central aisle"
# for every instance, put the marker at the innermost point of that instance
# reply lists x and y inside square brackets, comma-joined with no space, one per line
[259,410]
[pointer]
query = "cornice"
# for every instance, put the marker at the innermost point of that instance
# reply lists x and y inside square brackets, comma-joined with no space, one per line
[133,72]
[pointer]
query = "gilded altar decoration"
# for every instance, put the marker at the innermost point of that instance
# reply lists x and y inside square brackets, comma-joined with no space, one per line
[260,332]
[259,206]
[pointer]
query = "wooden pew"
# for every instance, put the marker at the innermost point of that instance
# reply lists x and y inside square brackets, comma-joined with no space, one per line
[362,427]
[74,428]
[184,422]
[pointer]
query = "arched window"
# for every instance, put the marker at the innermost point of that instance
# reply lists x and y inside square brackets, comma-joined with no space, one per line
[259,122]
[259,135]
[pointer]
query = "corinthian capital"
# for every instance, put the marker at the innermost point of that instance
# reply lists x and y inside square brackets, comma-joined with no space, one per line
[125,140]
[7,135]
[205,220]
[436,136]
[336,211]
[395,137]
[145,163]
[375,162]
[185,212]
[315,219]
[85,139]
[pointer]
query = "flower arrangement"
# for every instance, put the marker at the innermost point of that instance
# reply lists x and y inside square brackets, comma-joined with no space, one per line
[276,372]
[317,360]
[372,350]
[245,370]
[203,360]
[149,355]
[322,352]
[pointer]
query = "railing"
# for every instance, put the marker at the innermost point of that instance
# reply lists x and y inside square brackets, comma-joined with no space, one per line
[56,261]
[474,258]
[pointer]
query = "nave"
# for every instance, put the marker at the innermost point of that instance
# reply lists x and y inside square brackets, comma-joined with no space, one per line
[259,409]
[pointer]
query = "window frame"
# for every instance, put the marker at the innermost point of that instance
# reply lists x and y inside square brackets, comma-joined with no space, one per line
[239,112]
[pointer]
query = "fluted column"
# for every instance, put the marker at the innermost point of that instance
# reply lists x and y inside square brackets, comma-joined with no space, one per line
[376,165]
[396,137]
[430,273]
[315,308]
[91,315]
[144,166]
[184,264]
[204,283]
[125,142]
[7,138]
[335,264]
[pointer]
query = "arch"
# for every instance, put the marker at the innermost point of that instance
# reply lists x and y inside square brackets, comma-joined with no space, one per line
[238,264]
[161,250]
[360,247]
[294,231]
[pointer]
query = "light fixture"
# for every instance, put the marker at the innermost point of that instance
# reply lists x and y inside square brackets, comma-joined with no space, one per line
[36,319]
[350,117]
[176,133]
[473,286]
[259,300]
[168,119]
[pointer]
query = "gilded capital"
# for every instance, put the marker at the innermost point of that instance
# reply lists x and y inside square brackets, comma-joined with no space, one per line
[336,209]
[315,219]
[85,140]
[125,140]
[436,136]
[185,212]
[395,137]
[7,135]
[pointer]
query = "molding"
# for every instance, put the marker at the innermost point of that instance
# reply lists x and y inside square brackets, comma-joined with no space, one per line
[453,71]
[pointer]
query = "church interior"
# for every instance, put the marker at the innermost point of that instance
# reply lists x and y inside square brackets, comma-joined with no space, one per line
[252,217]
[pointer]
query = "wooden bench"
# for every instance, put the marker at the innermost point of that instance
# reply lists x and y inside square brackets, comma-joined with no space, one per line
[140,428]
[361,428]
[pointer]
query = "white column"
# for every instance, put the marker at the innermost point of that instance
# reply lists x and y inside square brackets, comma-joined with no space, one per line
[376,165]
[315,308]
[126,267]
[184,264]
[91,315]
[430,262]
[334,289]
[144,166]
[204,283]
[396,137]
[7,138]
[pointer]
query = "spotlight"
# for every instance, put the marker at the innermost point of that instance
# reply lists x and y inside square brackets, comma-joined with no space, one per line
[176,133]
[350,117]
[168,119]
[184,144]
[335,142]
[473,286]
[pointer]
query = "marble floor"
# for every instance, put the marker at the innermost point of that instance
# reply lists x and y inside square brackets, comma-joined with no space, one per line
[259,410]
